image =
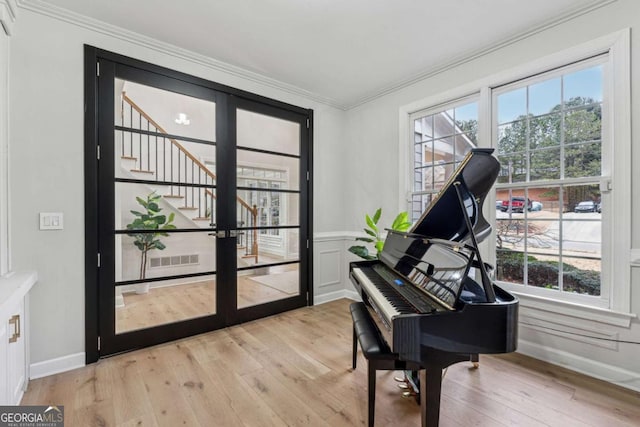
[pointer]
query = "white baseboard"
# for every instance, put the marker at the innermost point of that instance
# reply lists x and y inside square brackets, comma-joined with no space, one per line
[57,365]
[332,296]
[612,374]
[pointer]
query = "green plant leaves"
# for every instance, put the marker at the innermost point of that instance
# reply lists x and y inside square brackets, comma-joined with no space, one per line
[400,223]
[376,216]
[152,221]
[362,252]
[370,223]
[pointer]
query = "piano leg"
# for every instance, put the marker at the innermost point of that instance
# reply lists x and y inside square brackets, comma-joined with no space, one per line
[434,362]
[430,385]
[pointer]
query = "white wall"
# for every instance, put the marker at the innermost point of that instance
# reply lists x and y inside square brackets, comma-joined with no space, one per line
[7,18]
[46,143]
[372,135]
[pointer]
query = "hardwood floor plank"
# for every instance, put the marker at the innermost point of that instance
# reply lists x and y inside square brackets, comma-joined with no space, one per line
[245,401]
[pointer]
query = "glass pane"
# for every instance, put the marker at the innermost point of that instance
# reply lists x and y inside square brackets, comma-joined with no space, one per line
[443,150]
[544,164]
[582,160]
[544,131]
[509,266]
[267,132]
[427,157]
[256,165]
[581,199]
[151,255]
[545,203]
[512,105]
[443,124]
[585,83]
[581,275]
[512,137]
[263,247]
[513,168]
[582,235]
[149,304]
[542,271]
[262,285]
[267,208]
[152,158]
[423,128]
[467,117]
[544,97]
[141,206]
[156,110]
[583,125]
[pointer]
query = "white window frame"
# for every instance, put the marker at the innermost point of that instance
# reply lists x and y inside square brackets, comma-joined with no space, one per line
[616,250]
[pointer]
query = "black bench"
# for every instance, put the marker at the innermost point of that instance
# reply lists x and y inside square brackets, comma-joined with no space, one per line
[375,350]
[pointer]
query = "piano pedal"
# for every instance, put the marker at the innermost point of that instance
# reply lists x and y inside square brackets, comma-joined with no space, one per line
[408,394]
[400,379]
[404,386]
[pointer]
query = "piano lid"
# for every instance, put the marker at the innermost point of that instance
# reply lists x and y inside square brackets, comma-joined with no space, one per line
[443,218]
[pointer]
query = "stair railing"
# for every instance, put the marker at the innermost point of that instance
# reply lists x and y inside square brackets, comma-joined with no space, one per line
[172,162]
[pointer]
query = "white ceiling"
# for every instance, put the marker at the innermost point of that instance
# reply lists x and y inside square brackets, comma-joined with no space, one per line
[343,52]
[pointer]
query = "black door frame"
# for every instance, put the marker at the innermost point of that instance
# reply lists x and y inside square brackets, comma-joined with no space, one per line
[232,97]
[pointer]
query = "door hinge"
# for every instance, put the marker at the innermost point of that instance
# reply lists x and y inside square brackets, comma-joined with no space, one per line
[98,152]
[308,123]
[98,343]
[308,175]
[307,243]
[98,69]
[98,260]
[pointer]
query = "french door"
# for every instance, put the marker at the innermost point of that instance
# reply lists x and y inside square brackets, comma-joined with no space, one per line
[201,196]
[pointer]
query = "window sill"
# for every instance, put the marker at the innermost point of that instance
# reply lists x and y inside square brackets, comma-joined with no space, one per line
[570,309]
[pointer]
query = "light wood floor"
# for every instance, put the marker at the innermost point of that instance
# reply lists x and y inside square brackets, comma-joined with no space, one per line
[294,369]
[170,304]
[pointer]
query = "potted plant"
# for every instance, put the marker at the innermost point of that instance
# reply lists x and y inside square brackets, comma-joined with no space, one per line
[400,223]
[151,224]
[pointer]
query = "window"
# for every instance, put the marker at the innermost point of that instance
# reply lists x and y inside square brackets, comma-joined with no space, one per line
[561,129]
[548,139]
[267,202]
[441,139]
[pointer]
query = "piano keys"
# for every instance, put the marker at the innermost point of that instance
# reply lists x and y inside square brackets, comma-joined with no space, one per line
[430,293]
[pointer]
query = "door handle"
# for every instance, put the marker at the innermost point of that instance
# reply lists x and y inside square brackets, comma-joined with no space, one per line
[15,321]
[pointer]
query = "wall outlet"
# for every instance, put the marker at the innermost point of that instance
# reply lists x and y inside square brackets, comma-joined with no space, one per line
[51,221]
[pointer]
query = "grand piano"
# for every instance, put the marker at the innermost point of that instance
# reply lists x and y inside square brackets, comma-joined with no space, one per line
[430,293]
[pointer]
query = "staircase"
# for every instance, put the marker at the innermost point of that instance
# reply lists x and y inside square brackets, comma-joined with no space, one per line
[177,174]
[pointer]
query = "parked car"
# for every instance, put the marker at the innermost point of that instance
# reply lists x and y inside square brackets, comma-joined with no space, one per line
[586,206]
[518,204]
[599,207]
[536,206]
[498,204]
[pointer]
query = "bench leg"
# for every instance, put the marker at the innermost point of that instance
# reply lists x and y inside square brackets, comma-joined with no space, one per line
[372,393]
[355,348]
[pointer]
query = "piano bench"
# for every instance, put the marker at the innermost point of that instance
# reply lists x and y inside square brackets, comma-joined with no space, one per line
[375,349]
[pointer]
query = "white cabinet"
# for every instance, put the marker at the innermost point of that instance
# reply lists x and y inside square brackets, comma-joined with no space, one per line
[14,349]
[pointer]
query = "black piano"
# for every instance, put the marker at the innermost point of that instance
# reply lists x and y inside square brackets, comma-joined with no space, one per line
[430,293]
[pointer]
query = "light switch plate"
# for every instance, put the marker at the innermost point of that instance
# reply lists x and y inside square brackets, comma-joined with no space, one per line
[51,221]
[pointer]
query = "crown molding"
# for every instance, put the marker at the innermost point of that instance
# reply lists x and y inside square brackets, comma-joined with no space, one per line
[101,27]
[8,10]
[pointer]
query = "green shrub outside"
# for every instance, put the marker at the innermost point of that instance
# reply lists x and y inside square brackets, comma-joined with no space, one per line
[544,274]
